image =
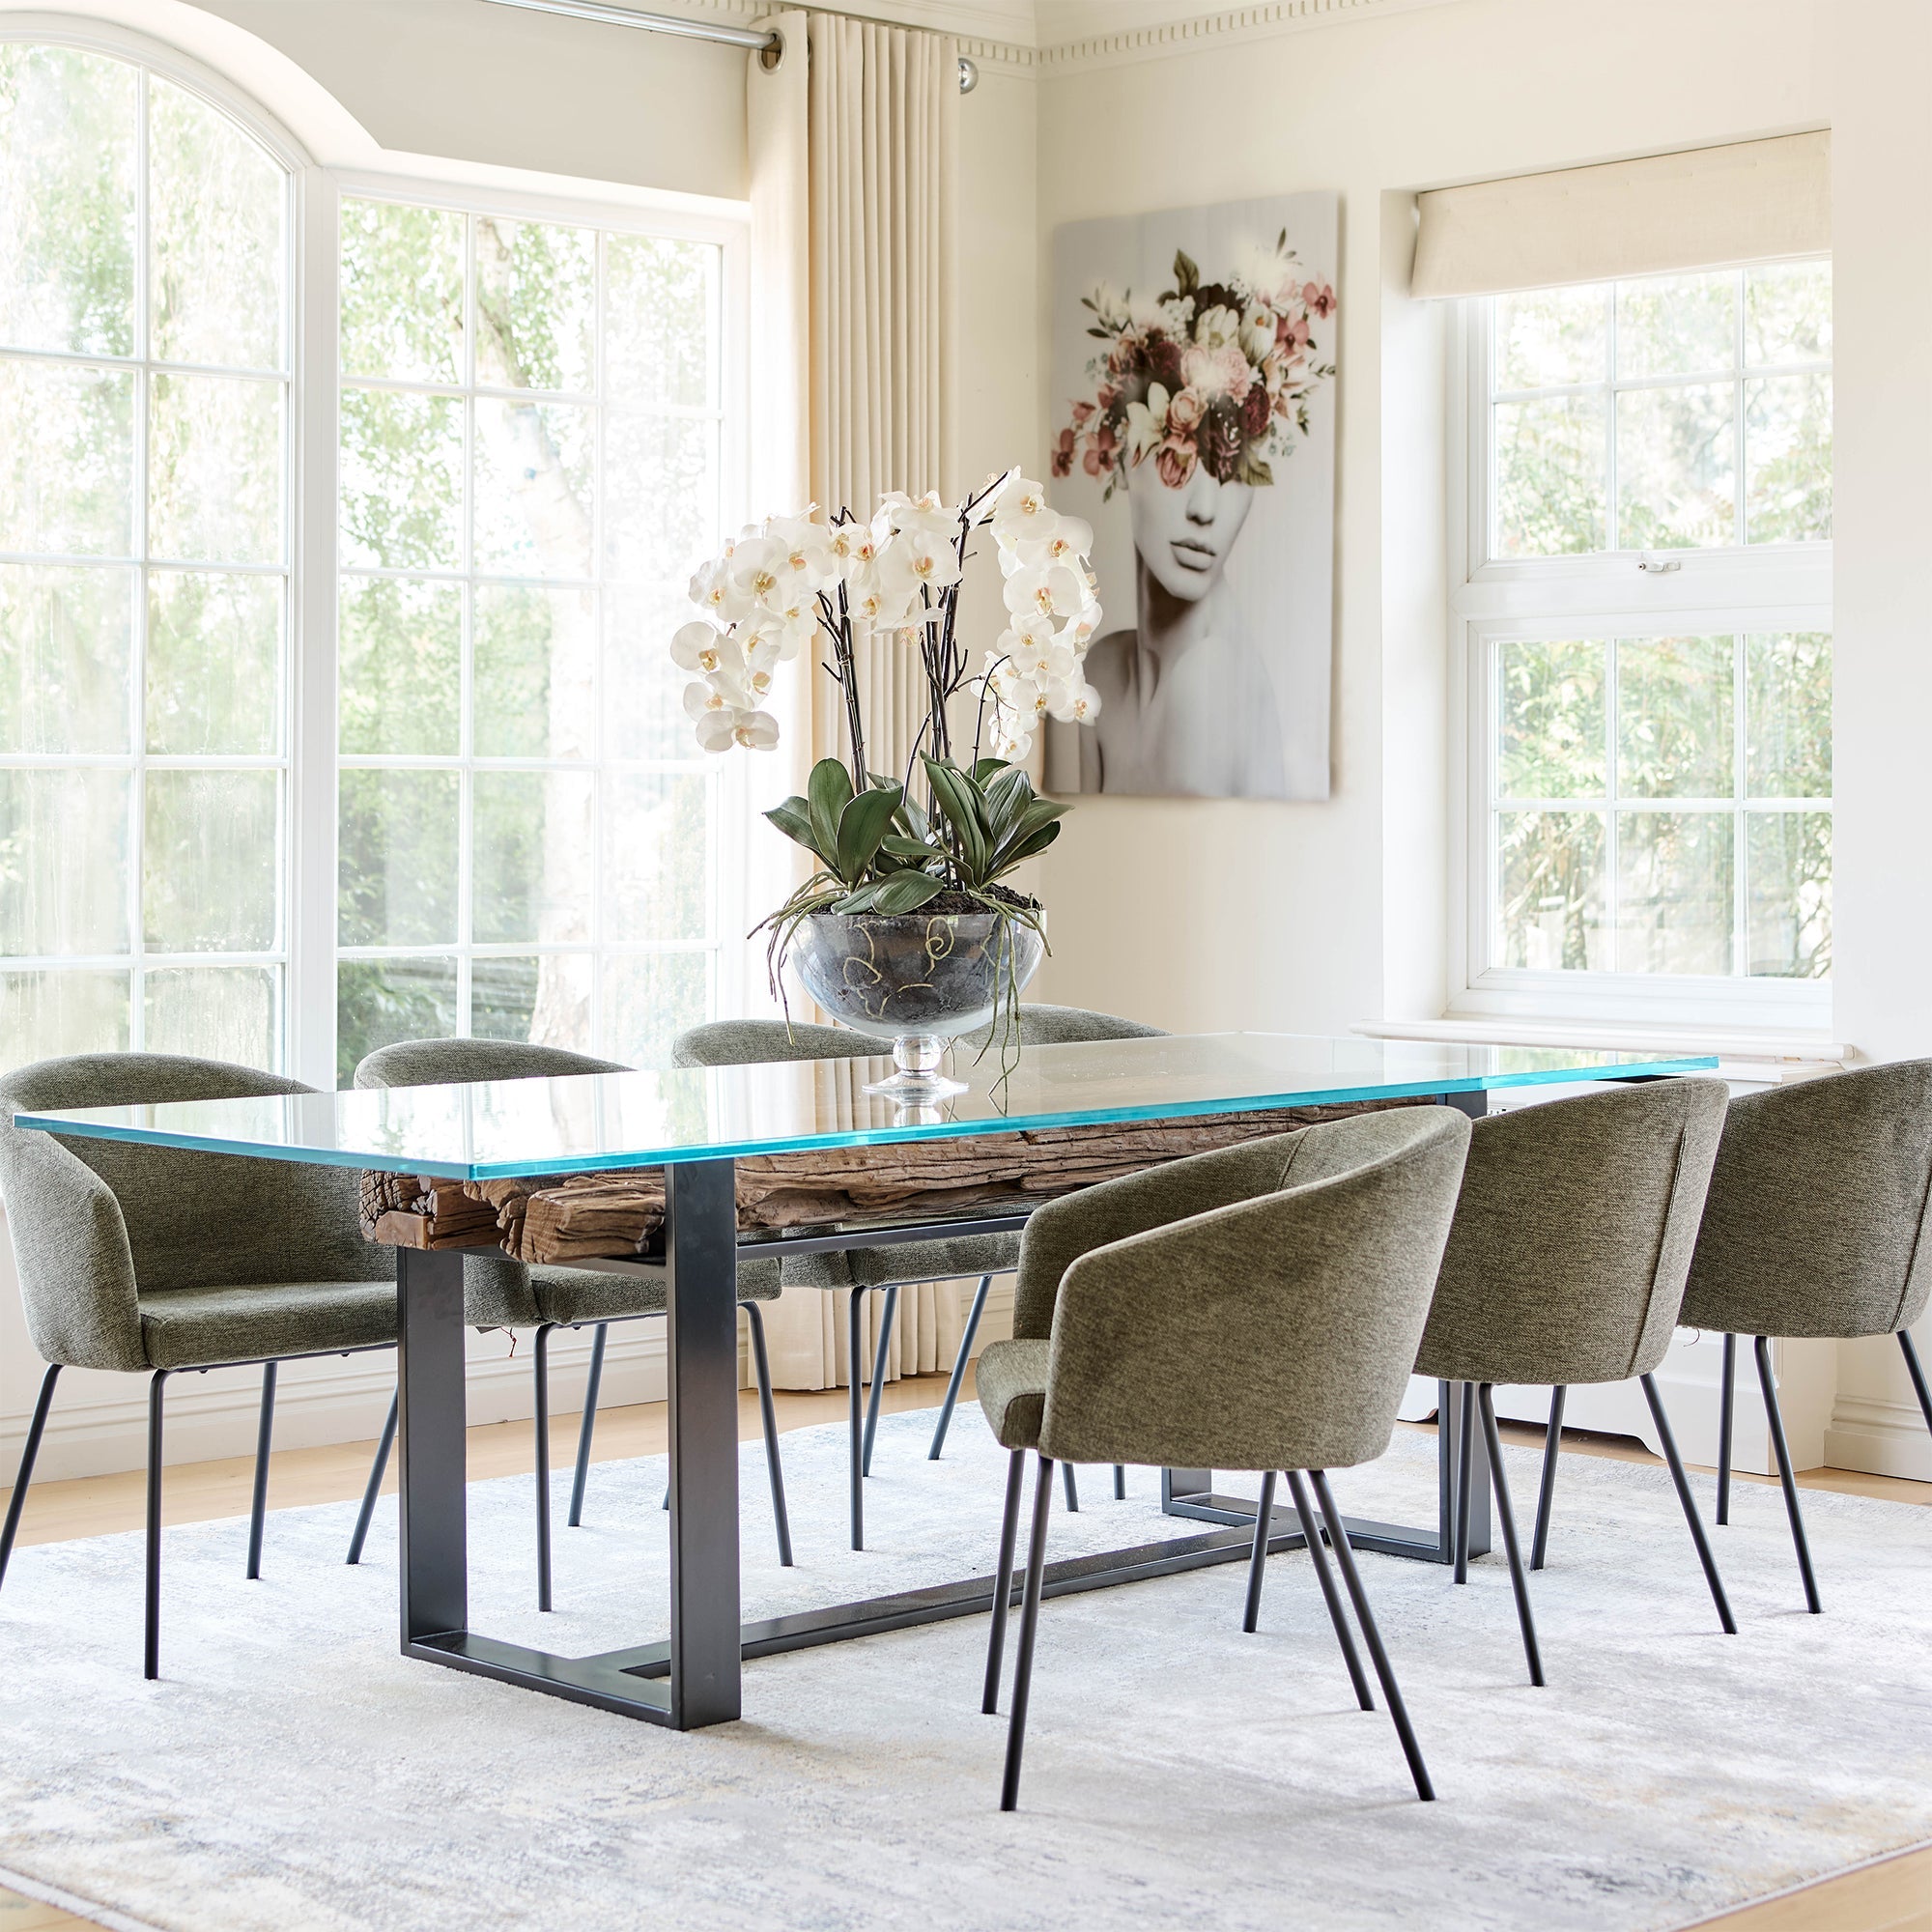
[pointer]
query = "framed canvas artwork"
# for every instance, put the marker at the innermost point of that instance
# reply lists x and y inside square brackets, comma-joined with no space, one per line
[1193,389]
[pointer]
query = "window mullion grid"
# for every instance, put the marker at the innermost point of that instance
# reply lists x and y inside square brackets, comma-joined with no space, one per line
[466,742]
[137,657]
[1612,506]
[1741,533]
[600,422]
[1740,791]
[1613,794]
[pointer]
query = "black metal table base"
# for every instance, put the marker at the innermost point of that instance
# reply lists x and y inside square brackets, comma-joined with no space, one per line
[693,1678]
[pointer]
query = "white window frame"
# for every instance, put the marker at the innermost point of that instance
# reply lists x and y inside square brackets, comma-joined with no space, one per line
[1766,587]
[308,883]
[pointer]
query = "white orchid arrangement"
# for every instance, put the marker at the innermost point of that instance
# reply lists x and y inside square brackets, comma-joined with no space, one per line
[801,583]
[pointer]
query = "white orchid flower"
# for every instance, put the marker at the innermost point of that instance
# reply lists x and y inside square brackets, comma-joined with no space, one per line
[753,570]
[805,561]
[713,590]
[697,646]
[1078,633]
[1069,542]
[925,565]
[1046,591]
[1023,510]
[719,729]
[1075,702]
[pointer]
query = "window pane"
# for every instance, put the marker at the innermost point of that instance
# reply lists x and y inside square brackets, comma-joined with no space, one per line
[1551,891]
[214,662]
[535,467]
[68,123]
[1674,898]
[1548,338]
[1677,325]
[209,861]
[45,1014]
[397,838]
[402,291]
[1551,468]
[48,903]
[223,1012]
[661,495]
[379,1001]
[1788,312]
[535,656]
[1788,902]
[1788,458]
[656,869]
[1788,716]
[66,459]
[215,470]
[536,305]
[402,481]
[1676,719]
[1553,727]
[544,999]
[1676,467]
[643,691]
[399,668]
[533,845]
[649,999]
[659,331]
[215,217]
[65,644]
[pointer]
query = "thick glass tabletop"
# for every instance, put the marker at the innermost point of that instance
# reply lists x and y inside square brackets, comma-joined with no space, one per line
[494,1131]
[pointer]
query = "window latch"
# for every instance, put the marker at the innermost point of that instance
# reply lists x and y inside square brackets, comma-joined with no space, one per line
[1658,566]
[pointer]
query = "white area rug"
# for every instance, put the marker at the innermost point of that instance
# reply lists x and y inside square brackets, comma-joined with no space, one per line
[291,1771]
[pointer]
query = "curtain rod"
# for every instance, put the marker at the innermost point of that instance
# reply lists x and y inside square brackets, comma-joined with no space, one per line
[767,45]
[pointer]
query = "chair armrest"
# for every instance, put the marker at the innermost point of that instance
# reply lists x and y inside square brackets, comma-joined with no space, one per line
[1061,1232]
[71,1252]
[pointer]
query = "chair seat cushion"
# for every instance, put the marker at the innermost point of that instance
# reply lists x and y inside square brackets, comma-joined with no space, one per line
[571,1295]
[1011,1384]
[903,1262]
[198,1327]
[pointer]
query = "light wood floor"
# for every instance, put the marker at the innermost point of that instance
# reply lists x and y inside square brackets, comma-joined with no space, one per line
[1892,1895]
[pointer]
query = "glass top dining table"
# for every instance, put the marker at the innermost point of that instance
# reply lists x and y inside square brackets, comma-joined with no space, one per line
[696,1124]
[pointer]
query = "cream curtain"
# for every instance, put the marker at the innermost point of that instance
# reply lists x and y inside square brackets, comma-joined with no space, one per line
[854,176]
[1706,208]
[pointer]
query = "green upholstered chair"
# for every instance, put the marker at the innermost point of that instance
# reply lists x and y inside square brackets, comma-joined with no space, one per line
[900,1264]
[1816,1225]
[1253,1308]
[1566,1264]
[154,1261]
[500,1293]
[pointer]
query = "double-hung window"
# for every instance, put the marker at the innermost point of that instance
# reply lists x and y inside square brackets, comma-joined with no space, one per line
[1645,622]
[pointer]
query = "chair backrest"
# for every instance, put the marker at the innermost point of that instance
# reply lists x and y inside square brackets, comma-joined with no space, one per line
[95,1223]
[756,1042]
[1269,1333]
[1816,1219]
[436,1063]
[1573,1237]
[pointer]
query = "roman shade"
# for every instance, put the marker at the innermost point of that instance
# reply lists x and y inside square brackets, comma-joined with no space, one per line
[1706,208]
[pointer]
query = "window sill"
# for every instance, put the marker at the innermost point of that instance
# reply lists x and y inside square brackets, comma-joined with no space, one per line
[1788,1053]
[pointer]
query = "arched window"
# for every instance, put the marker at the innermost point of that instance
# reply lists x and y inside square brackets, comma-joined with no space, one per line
[145,550]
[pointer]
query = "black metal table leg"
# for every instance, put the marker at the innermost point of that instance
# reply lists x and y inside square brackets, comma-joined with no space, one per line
[431,1414]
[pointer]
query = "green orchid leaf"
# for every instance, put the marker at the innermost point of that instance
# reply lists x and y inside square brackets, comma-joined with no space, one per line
[906,892]
[1031,848]
[1007,796]
[954,792]
[794,819]
[916,849]
[1039,814]
[987,768]
[861,900]
[828,792]
[861,826]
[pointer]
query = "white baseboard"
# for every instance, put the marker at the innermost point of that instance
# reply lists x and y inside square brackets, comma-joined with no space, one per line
[1884,1438]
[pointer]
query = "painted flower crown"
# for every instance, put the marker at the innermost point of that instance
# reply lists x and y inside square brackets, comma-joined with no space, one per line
[1219,376]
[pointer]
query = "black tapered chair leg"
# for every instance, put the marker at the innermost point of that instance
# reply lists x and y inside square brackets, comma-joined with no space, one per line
[587,1428]
[1071,1486]
[1119,1482]
[150,1656]
[880,1351]
[541,1372]
[1036,1575]
[1003,1581]
[768,1414]
[1786,1476]
[1905,1344]
[265,1436]
[1546,1494]
[1689,1504]
[855,1351]
[31,1449]
[1519,1581]
[959,1362]
[1727,1399]
[373,1488]
[1344,1557]
[1465,1449]
[1311,1531]
[1258,1556]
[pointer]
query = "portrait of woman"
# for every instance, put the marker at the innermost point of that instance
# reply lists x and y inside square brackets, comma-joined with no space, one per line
[1194,439]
